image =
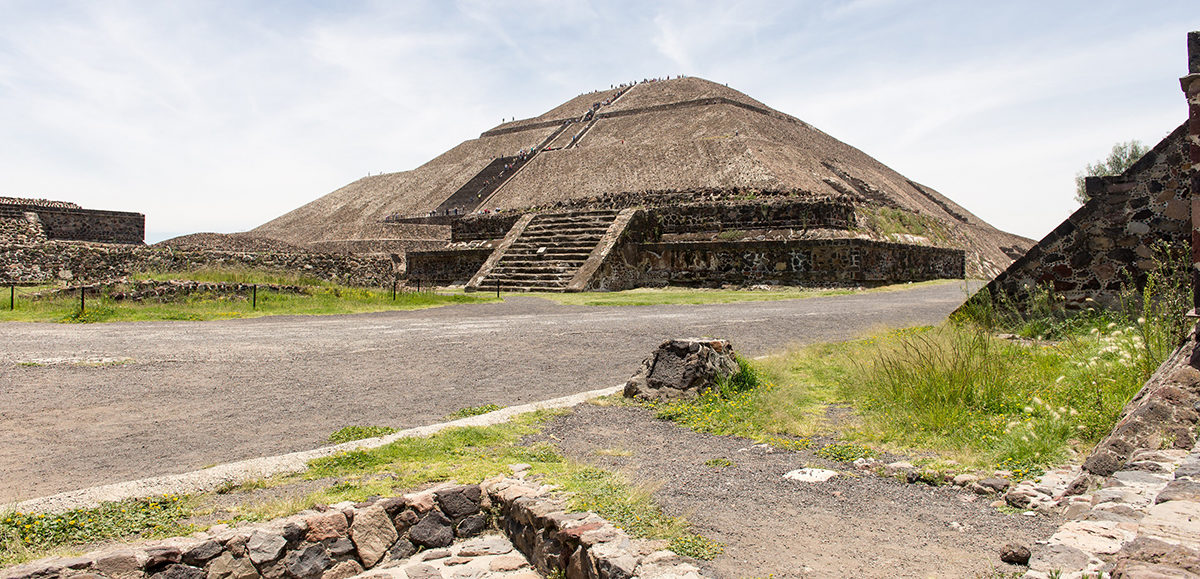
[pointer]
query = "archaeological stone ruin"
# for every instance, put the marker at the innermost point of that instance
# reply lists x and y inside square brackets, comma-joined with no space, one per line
[670,182]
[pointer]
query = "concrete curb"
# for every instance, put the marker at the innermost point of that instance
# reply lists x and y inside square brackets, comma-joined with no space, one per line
[245,470]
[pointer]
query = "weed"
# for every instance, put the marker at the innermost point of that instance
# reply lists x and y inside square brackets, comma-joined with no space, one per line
[718,462]
[615,451]
[847,452]
[472,411]
[32,533]
[350,433]
[696,546]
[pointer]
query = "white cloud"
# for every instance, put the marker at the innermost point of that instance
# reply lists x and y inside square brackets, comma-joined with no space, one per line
[222,116]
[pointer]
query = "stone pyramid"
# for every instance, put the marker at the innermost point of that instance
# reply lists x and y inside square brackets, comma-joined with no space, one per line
[677,135]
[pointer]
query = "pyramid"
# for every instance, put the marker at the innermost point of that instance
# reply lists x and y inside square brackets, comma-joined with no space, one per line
[676,135]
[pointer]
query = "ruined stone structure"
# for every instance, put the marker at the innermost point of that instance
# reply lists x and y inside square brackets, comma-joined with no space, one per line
[28,221]
[679,181]
[1115,237]
[56,241]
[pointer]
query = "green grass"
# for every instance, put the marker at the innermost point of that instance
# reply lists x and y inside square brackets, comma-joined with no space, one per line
[888,221]
[319,298]
[472,411]
[696,296]
[25,536]
[982,401]
[352,433]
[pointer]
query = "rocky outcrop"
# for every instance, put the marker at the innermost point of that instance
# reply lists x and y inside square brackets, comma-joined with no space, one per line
[682,369]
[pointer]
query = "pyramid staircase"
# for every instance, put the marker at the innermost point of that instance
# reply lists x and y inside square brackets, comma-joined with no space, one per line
[474,193]
[545,252]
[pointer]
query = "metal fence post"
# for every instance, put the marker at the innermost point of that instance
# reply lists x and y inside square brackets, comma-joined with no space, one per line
[394,282]
[82,304]
[12,297]
[254,297]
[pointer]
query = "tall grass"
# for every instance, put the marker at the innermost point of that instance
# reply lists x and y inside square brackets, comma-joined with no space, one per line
[961,390]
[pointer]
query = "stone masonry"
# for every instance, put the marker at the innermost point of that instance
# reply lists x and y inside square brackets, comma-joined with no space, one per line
[1113,237]
[443,532]
[67,221]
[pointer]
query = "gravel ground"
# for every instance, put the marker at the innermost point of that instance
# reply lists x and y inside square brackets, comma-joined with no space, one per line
[849,526]
[85,405]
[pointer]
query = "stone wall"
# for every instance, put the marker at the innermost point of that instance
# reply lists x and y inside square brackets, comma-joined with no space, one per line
[1113,236]
[803,262]
[482,227]
[776,214]
[432,533]
[445,267]
[88,262]
[61,221]
[20,227]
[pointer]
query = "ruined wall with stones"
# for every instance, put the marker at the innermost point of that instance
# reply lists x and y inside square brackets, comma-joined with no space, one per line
[449,266]
[1113,236]
[445,531]
[20,227]
[61,221]
[88,262]
[802,262]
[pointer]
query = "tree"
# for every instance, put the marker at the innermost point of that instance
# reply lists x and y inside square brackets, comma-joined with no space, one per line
[1119,159]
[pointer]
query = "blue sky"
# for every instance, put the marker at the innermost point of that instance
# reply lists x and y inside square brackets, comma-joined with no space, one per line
[218,116]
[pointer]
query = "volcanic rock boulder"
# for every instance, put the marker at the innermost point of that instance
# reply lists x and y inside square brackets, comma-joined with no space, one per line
[682,368]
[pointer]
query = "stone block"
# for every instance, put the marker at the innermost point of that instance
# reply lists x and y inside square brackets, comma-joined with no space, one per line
[264,547]
[373,533]
[434,531]
[682,368]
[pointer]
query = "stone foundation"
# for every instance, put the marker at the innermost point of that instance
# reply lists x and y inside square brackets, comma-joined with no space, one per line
[87,263]
[797,263]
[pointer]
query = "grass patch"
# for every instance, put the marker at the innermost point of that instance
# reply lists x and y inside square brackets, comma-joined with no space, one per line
[26,536]
[351,433]
[696,296]
[472,411]
[718,462]
[956,390]
[318,297]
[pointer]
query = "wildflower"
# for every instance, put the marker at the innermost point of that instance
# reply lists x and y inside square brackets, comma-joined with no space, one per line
[1028,409]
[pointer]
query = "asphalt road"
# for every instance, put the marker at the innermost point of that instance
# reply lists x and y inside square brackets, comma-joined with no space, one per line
[82,405]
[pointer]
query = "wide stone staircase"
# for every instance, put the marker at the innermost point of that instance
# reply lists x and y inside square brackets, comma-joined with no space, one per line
[548,253]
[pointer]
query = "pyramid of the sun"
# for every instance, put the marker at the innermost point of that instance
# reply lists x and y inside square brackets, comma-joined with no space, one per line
[678,135]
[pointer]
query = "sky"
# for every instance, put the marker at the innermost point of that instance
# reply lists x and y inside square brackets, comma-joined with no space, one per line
[221,115]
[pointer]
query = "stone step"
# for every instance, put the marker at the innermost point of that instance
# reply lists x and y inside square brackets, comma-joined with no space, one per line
[534,269]
[578,230]
[555,236]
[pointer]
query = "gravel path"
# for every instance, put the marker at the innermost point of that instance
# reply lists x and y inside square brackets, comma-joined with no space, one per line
[85,405]
[856,526]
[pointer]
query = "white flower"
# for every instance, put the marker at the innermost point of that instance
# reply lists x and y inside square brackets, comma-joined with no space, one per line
[1141,321]
[1028,409]
[1112,325]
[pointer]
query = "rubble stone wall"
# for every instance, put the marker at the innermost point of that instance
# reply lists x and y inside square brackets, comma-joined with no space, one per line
[20,227]
[1111,238]
[62,222]
[89,262]
[450,266]
[802,262]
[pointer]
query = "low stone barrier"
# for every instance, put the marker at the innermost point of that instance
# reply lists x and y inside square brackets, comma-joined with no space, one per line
[91,262]
[429,534]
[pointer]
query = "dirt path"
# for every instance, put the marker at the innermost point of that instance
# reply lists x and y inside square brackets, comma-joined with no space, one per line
[170,397]
[864,526]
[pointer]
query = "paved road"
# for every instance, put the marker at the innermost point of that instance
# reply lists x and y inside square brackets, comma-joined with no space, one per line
[192,394]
